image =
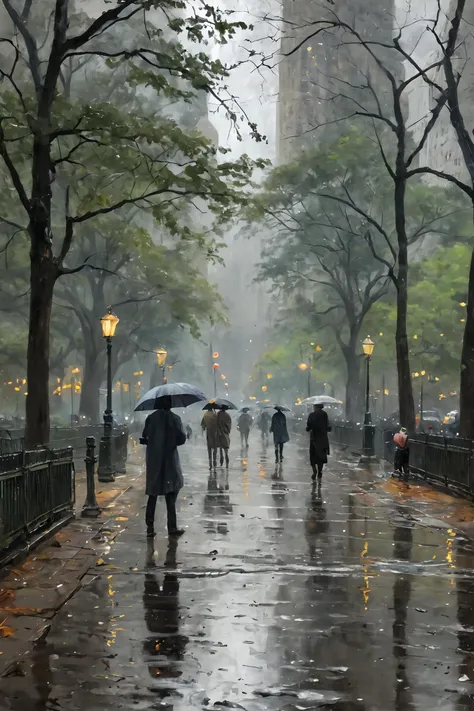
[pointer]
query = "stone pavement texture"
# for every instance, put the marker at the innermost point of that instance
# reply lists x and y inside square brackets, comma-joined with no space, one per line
[357,597]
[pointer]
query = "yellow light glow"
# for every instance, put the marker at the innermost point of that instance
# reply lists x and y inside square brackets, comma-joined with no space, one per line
[303,366]
[109,324]
[264,388]
[387,392]
[423,372]
[368,346]
[463,304]
[161,354]
[415,337]
[269,376]
[319,349]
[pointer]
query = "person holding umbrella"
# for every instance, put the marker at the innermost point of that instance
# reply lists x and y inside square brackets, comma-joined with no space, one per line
[209,426]
[318,427]
[280,432]
[224,426]
[163,434]
[244,424]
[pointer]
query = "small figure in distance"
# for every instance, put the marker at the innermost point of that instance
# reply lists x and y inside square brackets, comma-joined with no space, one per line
[401,463]
[224,427]
[280,432]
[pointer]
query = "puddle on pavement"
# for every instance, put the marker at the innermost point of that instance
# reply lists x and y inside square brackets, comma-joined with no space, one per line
[280,596]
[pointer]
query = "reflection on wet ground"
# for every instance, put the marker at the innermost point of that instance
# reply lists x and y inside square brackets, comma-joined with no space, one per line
[354,596]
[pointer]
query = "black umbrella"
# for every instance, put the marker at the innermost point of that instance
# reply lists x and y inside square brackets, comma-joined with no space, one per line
[181,394]
[219,403]
[277,407]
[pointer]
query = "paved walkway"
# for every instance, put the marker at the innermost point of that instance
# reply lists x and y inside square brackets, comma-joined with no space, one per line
[359,597]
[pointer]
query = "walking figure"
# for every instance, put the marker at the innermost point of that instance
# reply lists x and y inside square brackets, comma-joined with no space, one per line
[243,425]
[263,425]
[401,464]
[163,434]
[209,425]
[280,432]
[224,426]
[318,427]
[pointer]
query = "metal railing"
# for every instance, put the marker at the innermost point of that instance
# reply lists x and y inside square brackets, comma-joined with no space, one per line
[12,441]
[446,460]
[36,488]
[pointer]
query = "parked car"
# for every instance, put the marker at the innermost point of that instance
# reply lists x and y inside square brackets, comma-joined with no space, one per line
[432,421]
[450,426]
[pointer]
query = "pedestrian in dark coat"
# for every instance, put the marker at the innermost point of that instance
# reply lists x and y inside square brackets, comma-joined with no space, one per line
[318,427]
[163,434]
[280,432]
[224,426]
[244,424]
[209,426]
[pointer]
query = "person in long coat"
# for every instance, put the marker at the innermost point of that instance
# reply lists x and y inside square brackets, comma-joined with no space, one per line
[163,434]
[244,424]
[209,426]
[224,427]
[280,432]
[318,427]
[263,425]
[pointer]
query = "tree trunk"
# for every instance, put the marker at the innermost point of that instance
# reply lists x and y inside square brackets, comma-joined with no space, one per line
[42,280]
[91,383]
[405,390]
[352,408]
[467,364]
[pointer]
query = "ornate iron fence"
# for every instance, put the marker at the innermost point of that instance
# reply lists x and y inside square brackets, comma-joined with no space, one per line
[12,441]
[446,460]
[36,489]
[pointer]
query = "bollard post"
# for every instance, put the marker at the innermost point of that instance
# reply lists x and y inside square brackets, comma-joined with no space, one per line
[91,508]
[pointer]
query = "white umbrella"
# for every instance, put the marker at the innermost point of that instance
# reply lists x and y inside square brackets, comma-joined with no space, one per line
[321,400]
[181,394]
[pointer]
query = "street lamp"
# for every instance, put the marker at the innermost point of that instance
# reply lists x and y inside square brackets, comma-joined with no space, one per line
[161,358]
[106,471]
[305,367]
[215,368]
[368,450]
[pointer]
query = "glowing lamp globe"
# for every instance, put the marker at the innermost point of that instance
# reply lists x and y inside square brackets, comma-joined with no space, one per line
[109,324]
[161,356]
[368,346]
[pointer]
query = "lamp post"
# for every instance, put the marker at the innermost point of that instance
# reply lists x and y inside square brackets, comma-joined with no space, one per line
[161,355]
[368,450]
[106,471]
[215,368]
[305,367]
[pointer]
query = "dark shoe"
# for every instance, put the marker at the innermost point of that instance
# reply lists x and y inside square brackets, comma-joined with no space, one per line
[281,460]
[177,532]
[313,478]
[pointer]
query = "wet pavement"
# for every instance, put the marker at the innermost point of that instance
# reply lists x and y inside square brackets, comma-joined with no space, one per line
[357,597]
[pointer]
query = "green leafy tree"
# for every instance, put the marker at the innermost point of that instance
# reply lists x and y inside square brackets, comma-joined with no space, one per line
[72,154]
[436,317]
[326,253]
[154,289]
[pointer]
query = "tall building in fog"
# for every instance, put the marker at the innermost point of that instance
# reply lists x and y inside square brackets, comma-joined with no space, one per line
[441,151]
[309,93]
